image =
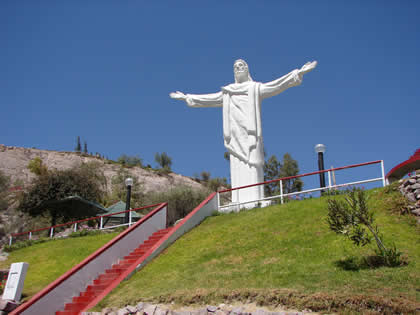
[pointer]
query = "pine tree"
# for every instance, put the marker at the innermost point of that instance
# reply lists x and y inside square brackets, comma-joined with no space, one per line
[78,145]
[85,149]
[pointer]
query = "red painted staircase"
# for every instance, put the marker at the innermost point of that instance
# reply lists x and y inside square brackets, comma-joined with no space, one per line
[110,277]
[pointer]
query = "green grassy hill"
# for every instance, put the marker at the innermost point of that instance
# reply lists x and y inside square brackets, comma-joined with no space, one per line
[282,254]
[49,260]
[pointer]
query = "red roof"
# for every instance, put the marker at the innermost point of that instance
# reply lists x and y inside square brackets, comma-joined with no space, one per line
[399,171]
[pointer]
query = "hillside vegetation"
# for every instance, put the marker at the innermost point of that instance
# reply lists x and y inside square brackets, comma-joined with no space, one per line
[283,254]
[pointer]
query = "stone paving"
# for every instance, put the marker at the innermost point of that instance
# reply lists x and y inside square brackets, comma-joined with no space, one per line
[222,309]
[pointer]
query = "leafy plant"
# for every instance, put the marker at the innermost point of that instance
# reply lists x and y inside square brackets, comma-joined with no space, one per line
[352,218]
[37,167]
[56,185]
[164,160]
[130,161]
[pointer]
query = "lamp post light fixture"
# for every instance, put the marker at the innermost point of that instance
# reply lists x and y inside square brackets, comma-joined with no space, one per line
[128,183]
[320,149]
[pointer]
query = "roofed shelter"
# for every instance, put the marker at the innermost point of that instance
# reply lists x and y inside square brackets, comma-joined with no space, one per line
[410,165]
[119,218]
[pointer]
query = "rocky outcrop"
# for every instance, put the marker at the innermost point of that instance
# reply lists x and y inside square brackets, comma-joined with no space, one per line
[14,162]
[410,188]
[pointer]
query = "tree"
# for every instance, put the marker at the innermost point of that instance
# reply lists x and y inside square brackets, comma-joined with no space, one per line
[4,186]
[272,170]
[85,148]
[226,155]
[290,168]
[213,184]
[37,167]
[119,189]
[56,185]
[129,161]
[352,218]
[78,145]
[163,160]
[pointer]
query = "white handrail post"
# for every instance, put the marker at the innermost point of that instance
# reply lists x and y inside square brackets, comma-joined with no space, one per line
[75,227]
[101,225]
[52,232]
[10,240]
[383,173]
[329,180]
[30,235]
[218,201]
[281,191]
[129,218]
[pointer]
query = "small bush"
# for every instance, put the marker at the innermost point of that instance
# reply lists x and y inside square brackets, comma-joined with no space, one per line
[181,201]
[23,244]
[352,218]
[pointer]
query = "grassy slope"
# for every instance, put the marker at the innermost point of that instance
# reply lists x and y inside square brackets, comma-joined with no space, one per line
[49,260]
[253,254]
[280,254]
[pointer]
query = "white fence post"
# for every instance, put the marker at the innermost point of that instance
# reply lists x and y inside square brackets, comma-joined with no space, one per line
[10,240]
[281,191]
[30,235]
[329,180]
[129,218]
[383,173]
[218,201]
[52,232]
[101,225]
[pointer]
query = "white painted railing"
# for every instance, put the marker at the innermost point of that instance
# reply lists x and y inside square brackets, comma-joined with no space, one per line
[237,206]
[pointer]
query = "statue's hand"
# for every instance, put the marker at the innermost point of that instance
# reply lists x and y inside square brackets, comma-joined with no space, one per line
[178,95]
[309,66]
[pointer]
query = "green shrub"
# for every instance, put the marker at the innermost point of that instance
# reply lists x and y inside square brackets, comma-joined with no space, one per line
[352,218]
[181,201]
[25,243]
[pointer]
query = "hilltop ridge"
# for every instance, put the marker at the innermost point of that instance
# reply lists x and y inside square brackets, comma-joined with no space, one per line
[14,162]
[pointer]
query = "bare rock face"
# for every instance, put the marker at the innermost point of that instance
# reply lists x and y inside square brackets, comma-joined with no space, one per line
[14,162]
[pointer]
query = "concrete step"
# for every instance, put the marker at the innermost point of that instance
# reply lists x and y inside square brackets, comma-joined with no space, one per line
[74,307]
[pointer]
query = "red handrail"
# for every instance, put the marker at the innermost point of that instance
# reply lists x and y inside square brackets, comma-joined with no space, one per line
[87,260]
[302,175]
[83,220]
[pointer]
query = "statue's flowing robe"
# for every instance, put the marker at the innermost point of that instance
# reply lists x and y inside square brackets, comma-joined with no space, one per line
[242,129]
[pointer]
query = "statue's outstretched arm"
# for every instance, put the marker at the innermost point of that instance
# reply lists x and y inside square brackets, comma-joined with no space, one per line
[199,100]
[291,79]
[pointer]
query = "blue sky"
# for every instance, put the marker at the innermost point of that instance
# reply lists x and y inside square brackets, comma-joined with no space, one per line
[102,70]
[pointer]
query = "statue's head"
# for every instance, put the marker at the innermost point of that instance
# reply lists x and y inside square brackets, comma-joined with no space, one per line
[241,71]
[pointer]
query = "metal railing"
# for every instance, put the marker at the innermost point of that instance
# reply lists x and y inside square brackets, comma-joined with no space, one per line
[282,196]
[77,224]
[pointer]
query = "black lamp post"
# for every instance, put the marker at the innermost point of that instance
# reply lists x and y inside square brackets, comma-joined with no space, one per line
[320,149]
[128,183]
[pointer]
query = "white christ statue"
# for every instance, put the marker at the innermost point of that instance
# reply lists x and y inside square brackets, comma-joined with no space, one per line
[242,132]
